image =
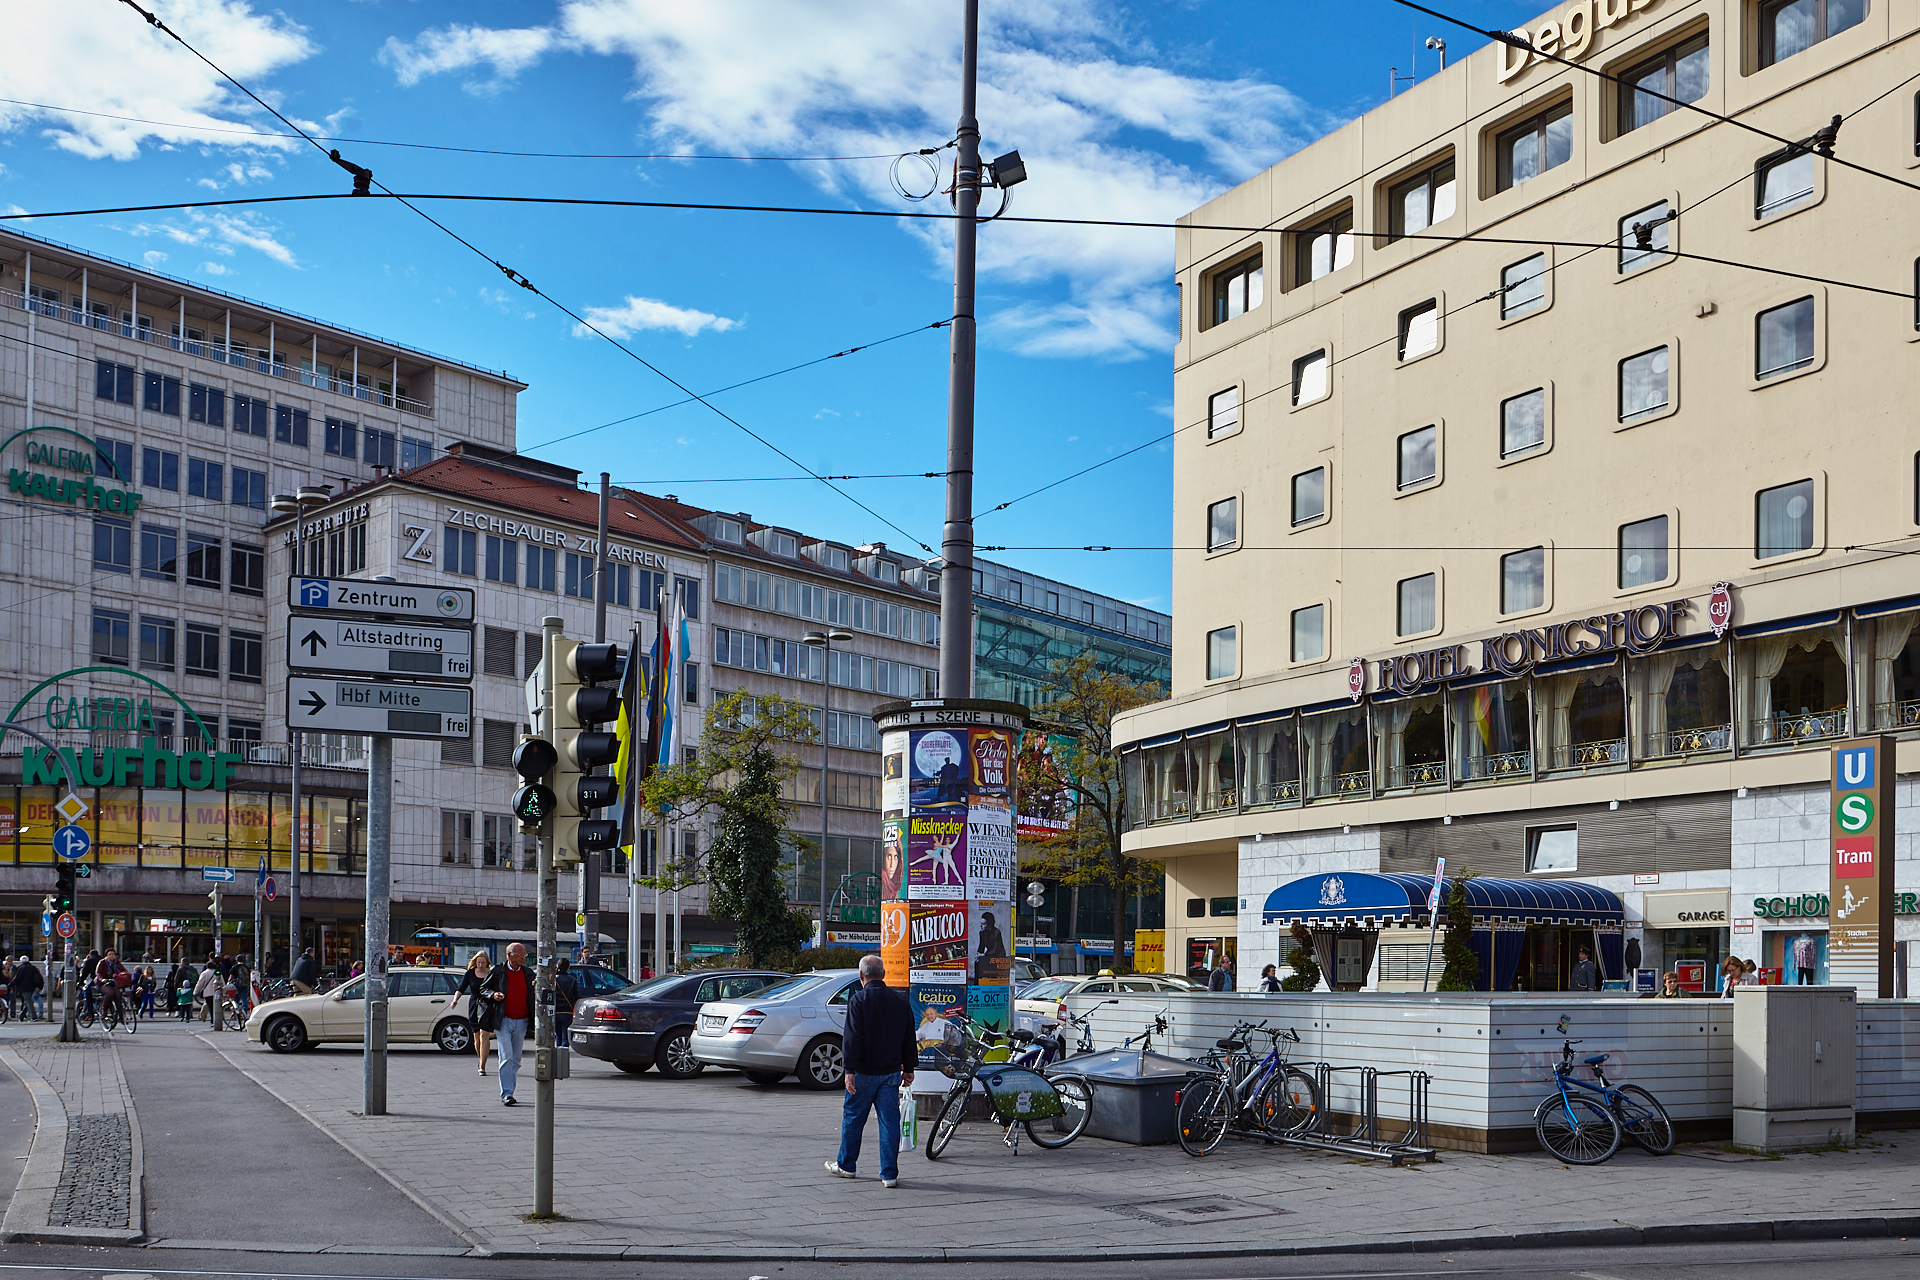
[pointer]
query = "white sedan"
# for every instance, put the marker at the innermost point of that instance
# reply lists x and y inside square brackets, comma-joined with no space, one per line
[793,1028]
[421,1009]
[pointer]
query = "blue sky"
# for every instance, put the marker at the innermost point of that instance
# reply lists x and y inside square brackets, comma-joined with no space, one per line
[1122,110]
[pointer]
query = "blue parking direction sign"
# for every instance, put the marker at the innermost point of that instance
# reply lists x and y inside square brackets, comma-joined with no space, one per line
[72,843]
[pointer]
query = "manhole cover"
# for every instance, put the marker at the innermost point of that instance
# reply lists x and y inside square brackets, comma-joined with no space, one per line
[1194,1209]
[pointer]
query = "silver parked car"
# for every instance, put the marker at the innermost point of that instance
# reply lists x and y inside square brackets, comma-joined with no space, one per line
[790,1029]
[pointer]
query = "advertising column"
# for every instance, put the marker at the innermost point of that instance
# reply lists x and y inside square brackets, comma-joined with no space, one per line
[1860,915]
[946,882]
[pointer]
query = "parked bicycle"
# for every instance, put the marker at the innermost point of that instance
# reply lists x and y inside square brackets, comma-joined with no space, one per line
[1022,1097]
[1231,1091]
[1577,1128]
[1040,1050]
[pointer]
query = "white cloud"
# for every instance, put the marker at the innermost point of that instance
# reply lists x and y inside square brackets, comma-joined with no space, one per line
[102,57]
[214,268]
[222,233]
[1105,133]
[636,315]
[153,257]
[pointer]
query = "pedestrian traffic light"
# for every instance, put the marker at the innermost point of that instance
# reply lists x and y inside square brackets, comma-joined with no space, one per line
[578,704]
[62,888]
[213,901]
[533,803]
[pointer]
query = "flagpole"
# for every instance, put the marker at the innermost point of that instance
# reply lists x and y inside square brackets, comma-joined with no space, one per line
[660,831]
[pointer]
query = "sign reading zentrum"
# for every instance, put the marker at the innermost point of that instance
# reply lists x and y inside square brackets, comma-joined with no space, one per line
[394,600]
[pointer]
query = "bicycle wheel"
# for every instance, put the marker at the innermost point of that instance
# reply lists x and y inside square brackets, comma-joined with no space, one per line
[84,1017]
[1288,1103]
[1576,1131]
[946,1122]
[109,1015]
[1643,1119]
[1204,1107]
[1076,1099]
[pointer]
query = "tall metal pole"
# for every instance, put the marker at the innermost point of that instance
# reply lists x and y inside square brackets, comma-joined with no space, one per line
[379,882]
[956,541]
[826,709]
[547,897]
[299,847]
[660,834]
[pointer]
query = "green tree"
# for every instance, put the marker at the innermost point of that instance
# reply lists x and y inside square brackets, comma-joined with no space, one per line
[736,778]
[1306,970]
[1079,702]
[1462,972]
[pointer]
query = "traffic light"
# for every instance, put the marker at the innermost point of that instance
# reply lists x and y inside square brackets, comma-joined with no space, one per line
[213,901]
[63,888]
[578,704]
[533,803]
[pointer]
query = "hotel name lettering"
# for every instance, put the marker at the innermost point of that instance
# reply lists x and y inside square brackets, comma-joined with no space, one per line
[1634,631]
[585,544]
[1570,37]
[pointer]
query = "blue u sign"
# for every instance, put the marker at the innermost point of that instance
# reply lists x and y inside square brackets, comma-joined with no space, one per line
[1853,769]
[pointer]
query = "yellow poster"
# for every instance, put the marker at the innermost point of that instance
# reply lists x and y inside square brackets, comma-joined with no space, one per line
[1150,951]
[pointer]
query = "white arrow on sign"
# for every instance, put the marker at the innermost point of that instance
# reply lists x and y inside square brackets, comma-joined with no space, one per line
[353,647]
[316,703]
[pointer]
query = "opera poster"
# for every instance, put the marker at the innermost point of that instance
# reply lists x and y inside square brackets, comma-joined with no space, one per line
[937,943]
[990,849]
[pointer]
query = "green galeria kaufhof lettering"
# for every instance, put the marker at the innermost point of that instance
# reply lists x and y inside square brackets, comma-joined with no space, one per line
[1795,906]
[148,765]
[76,489]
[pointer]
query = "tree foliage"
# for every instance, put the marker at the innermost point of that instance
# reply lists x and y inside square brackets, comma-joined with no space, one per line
[1462,972]
[1085,701]
[1306,969]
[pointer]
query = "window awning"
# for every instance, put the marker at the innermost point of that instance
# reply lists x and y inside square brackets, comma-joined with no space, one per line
[1372,900]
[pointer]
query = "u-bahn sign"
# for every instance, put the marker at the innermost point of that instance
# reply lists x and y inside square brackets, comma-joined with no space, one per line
[1861,896]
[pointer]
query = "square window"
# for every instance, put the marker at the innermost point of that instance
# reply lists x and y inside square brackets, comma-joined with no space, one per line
[159,552]
[1308,639]
[250,416]
[112,545]
[1679,73]
[415,453]
[1782,182]
[1238,289]
[1523,287]
[1310,378]
[459,552]
[114,458]
[1651,223]
[1309,496]
[156,644]
[1553,848]
[1222,652]
[206,479]
[1223,524]
[249,488]
[1323,248]
[1783,339]
[343,439]
[1420,329]
[1417,603]
[1523,580]
[377,447]
[111,637]
[206,404]
[1534,146]
[1643,384]
[247,574]
[290,425]
[1420,201]
[162,394]
[203,650]
[1783,520]
[1788,27]
[1523,422]
[203,560]
[1419,456]
[160,469]
[1196,907]
[1643,553]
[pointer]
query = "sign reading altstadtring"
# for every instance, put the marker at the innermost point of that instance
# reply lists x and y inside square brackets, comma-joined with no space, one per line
[380,648]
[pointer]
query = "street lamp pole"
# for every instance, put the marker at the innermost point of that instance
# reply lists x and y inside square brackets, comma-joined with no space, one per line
[296,505]
[823,640]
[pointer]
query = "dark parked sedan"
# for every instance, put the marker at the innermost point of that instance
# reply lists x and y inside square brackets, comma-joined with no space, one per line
[650,1022]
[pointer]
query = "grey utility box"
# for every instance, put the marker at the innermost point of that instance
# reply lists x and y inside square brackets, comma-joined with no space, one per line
[1794,1066]
[1132,1094]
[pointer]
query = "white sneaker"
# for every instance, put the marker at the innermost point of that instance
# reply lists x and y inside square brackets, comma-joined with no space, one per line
[833,1167]
[889,1182]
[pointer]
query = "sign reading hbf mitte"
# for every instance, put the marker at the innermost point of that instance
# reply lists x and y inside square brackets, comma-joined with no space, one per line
[1860,871]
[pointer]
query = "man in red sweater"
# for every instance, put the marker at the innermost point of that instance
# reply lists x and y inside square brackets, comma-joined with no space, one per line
[510,986]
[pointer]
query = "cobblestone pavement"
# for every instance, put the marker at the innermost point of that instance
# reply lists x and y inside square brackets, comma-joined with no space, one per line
[95,1175]
[83,1173]
[715,1167]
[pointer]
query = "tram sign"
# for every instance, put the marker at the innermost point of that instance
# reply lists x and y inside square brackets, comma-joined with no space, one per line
[353,647]
[319,704]
[380,599]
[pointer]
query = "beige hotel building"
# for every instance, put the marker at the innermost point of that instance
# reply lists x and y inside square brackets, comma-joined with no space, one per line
[1512,535]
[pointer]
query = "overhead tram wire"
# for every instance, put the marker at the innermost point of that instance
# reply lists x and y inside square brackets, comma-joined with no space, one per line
[363,182]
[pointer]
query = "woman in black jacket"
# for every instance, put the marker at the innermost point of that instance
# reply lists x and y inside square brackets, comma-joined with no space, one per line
[483,1014]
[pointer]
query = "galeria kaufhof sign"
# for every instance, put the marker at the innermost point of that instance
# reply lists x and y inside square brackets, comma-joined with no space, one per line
[78,487]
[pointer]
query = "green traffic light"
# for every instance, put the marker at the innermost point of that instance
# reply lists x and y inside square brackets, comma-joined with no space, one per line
[533,804]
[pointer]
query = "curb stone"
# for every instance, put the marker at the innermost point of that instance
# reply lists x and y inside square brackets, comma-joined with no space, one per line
[30,1207]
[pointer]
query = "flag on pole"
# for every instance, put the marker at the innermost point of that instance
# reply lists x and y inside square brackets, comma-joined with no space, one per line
[631,729]
[672,679]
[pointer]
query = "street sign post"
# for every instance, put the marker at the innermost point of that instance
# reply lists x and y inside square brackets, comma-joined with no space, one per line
[353,647]
[71,809]
[319,704]
[380,599]
[72,843]
[64,926]
[220,875]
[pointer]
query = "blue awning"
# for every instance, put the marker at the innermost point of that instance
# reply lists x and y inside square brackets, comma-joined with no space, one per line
[1373,900]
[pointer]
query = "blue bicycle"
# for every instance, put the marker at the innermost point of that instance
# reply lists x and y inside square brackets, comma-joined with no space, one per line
[1578,1129]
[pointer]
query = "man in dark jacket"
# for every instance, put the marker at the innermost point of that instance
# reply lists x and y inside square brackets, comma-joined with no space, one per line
[880,1057]
[510,987]
[1585,976]
[306,972]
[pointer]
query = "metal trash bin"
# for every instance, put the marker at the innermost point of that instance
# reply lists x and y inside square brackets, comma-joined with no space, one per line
[1132,1094]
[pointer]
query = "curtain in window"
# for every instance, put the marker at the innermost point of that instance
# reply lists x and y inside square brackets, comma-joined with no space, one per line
[1552,709]
[1215,753]
[1890,635]
[1649,702]
[1323,951]
[1763,659]
[1318,733]
[1393,740]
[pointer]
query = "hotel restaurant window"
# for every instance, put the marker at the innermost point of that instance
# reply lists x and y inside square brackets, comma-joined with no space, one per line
[1218,788]
[1164,782]
[1323,248]
[1793,686]
[1337,757]
[1783,339]
[1223,524]
[1421,201]
[1492,735]
[1653,220]
[1523,422]
[1222,653]
[1523,287]
[1410,742]
[1237,289]
[1888,646]
[1553,848]
[1788,27]
[1534,146]
[1419,329]
[1223,413]
[1271,750]
[1643,553]
[1643,384]
[1580,714]
[1781,182]
[1783,520]
[1682,701]
[1419,457]
[1309,496]
[1310,377]
[1680,72]
[1523,580]
[1416,609]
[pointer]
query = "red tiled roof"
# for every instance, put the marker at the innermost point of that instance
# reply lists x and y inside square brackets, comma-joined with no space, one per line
[481,481]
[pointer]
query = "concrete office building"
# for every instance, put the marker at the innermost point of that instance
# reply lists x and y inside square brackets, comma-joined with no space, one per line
[1468,504]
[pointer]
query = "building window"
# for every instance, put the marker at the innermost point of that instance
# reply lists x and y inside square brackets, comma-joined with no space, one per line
[114,457]
[161,395]
[206,404]
[377,450]
[113,382]
[1222,652]
[206,479]
[247,570]
[1309,633]
[459,547]
[1783,520]
[687,592]
[456,837]
[160,469]
[620,585]
[1196,908]
[1783,338]
[496,743]
[1310,378]
[203,560]
[1420,329]
[690,683]
[1223,413]
[496,840]
[112,545]
[503,559]
[1238,289]
[290,425]
[540,569]
[242,734]
[1323,248]
[1419,457]
[1652,221]
[1228,906]
[1523,422]
[1782,182]
[1523,287]
[1416,605]
[159,552]
[1553,848]
[1309,496]
[203,650]
[1532,147]
[110,636]
[1788,27]
[249,488]
[535,650]
[250,416]
[578,578]
[415,453]
[1420,201]
[244,656]
[156,643]
[1680,72]
[1643,553]
[343,439]
[1643,384]
[1523,580]
[1223,524]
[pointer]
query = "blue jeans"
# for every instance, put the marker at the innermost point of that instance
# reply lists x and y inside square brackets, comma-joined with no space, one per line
[511,1035]
[883,1093]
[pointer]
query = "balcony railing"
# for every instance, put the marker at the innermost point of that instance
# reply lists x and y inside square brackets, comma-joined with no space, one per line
[1798,728]
[1507,765]
[1680,743]
[1896,715]
[1345,786]
[251,359]
[1262,794]
[1588,755]
[1413,777]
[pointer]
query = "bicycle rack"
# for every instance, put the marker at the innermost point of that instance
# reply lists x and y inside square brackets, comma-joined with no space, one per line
[1366,1138]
